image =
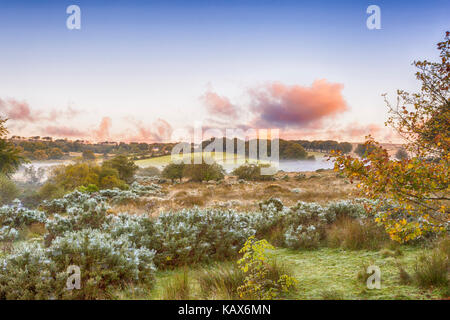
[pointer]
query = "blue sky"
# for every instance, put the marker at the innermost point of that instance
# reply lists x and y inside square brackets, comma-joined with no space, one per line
[139,61]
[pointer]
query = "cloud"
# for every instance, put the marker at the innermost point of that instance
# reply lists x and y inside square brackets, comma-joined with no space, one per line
[103,131]
[218,106]
[283,106]
[16,110]
[352,132]
[63,131]
[159,131]
[21,111]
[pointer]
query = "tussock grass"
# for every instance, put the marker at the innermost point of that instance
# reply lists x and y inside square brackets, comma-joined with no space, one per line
[178,288]
[356,235]
[432,269]
[220,282]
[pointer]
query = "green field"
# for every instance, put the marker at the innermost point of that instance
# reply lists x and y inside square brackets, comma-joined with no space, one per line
[217,156]
[232,159]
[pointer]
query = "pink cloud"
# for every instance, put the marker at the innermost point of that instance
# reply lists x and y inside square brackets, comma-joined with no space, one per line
[159,131]
[103,131]
[21,111]
[16,110]
[280,105]
[63,131]
[217,105]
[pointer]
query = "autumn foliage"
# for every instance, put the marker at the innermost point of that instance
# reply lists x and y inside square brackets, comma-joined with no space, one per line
[417,188]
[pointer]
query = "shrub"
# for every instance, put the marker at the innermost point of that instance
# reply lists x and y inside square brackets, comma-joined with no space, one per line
[302,237]
[50,191]
[89,214]
[196,235]
[72,176]
[259,282]
[17,216]
[204,172]
[271,204]
[173,171]
[32,272]
[8,234]
[401,154]
[28,274]
[347,208]
[104,262]
[89,189]
[251,172]
[8,190]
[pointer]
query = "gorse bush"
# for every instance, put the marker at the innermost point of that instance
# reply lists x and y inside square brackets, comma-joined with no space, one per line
[8,234]
[29,274]
[17,216]
[92,215]
[105,263]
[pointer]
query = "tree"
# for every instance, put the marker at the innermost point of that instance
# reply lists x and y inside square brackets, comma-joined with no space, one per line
[40,155]
[401,154]
[88,155]
[417,188]
[126,167]
[363,150]
[292,150]
[55,153]
[345,147]
[173,171]
[10,157]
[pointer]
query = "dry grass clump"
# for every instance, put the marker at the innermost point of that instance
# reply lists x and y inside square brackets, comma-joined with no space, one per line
[356,235]
[432,270]
[186,199]
[220,282]
[178,288]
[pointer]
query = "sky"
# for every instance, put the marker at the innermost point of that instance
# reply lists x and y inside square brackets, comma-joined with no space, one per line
[140,70]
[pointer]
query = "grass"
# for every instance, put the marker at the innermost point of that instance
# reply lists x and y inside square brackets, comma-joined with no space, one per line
[326,273]
[351,234]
